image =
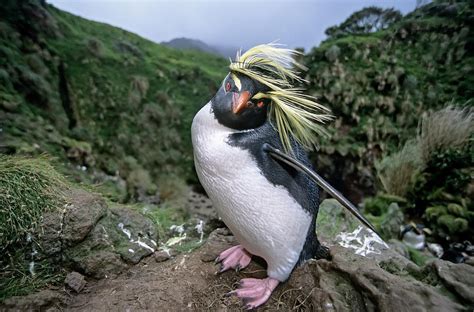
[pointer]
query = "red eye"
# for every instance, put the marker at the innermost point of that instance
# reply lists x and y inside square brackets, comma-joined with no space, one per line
[227,87]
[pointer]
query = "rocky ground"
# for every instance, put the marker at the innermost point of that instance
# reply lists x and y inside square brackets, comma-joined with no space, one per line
[363,275]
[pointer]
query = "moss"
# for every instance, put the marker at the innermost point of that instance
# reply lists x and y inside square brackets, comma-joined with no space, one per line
[418,257]
[164,216]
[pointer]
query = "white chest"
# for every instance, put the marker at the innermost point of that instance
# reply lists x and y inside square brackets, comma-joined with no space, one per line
[264,217]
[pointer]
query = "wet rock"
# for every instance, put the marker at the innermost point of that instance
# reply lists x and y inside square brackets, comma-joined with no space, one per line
[75,281]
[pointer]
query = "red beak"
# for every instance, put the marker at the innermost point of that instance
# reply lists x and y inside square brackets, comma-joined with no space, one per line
[240,101]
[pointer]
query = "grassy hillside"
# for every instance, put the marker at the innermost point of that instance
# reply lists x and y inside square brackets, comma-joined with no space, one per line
[109,104]
[379,84]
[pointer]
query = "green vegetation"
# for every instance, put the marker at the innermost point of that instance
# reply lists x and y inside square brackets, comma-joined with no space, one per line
[17,280]
[96,96]
[378,84]
[432,175]
[28,187]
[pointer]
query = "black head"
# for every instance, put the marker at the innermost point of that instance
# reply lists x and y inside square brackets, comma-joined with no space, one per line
[240,103]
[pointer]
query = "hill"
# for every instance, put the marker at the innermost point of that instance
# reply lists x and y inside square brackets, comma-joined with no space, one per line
[109,104]
[190,44]
[379,82]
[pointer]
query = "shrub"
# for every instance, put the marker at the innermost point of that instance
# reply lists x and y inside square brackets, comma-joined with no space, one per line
[95,47]
[138,90]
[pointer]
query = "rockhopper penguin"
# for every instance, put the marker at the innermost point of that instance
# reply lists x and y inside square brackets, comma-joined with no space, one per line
[249,149]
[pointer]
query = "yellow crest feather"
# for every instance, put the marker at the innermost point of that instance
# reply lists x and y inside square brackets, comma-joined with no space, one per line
[295,114]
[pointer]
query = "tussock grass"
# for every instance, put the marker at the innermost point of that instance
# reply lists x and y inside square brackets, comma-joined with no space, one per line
[28,187]
[448,128]
[397,171]
[16,280]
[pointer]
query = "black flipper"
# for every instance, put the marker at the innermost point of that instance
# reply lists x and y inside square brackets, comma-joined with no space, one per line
[282,157]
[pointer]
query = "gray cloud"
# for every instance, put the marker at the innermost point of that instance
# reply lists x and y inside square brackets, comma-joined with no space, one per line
[243,23]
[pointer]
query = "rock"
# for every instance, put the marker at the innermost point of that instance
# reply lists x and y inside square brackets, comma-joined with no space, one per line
[101,264]
[217,242]
[351,282]
[82,213]
[75,281]
[163,255]
[200,206]
[390,226]
[470,261]
[348,282]
[138,233]
[399,247]
[44,300]
[50,238]
[333,219]
[122,236]
[69,226]
[458,277]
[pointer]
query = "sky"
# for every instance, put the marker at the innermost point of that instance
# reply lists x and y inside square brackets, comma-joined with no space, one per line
[240,24]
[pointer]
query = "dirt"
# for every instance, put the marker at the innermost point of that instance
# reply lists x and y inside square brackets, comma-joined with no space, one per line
[188,282]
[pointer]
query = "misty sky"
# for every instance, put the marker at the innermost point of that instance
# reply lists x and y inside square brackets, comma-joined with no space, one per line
[242,24]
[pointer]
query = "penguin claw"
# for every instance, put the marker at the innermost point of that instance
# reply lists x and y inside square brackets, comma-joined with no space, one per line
[235,257]
[255,292]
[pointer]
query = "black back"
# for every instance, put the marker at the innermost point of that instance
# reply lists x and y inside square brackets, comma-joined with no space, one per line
[303,189]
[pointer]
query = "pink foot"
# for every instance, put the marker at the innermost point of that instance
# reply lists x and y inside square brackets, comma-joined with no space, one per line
[255,292]
[235,257]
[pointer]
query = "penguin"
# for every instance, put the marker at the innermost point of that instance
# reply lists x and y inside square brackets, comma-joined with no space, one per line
[250,147]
